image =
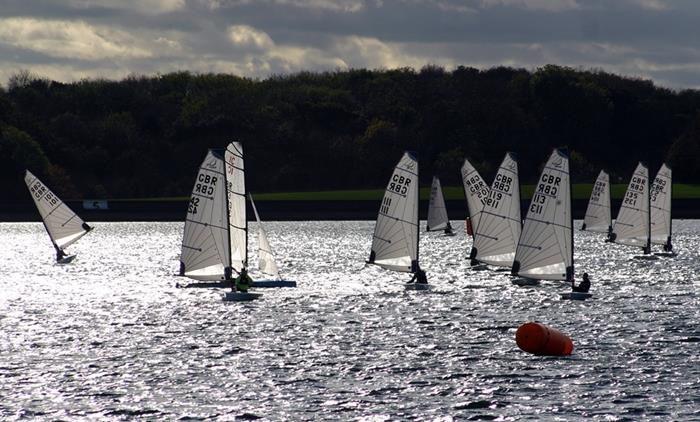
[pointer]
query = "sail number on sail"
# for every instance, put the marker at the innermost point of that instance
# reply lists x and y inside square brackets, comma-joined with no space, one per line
[549,185]
[638,184]
[500,187]
[477,187]
[659,186]
[399,184]
[598,189]
[38,190]
[205,186]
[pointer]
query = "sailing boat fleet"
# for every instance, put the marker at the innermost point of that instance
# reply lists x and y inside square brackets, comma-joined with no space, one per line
[215,239]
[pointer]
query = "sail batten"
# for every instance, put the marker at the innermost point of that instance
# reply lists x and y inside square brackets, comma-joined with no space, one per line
[545,247]
[395,239]
[497,233]
[632,223]
[63,225]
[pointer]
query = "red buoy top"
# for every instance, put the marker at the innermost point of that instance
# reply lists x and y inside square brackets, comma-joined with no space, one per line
[539,339]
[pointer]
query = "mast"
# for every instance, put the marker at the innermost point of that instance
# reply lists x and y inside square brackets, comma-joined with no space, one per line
[417,266]
[571,222]
[648,248]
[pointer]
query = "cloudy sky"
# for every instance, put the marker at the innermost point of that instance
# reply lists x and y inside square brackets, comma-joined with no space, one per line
[68,40]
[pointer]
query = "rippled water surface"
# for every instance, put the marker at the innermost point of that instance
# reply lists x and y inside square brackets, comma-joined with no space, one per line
[110,337]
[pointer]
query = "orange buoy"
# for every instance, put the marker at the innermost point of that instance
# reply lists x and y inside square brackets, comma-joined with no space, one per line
[539,339]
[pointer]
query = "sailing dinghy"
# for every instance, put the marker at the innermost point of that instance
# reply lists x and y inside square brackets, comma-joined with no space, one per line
[546,246]
[62,224]
[633,223]
[395,240]
[476,191]
[213,243]
[496,236]
[266,259]
[598,217]
[437,211]
[660,202]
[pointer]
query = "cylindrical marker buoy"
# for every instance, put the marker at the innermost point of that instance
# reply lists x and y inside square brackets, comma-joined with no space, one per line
[539,339]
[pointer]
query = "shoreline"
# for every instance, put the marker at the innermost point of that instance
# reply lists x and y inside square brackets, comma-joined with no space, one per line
[293,210]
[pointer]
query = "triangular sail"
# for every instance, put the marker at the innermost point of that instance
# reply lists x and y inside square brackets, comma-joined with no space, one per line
[545,248]
[632,224]
[437,212]
[395,241]
[62,224]
[205,243]
[496,237]
[266,259]
[235,193]
[476,191]
[598,217]
[661,206]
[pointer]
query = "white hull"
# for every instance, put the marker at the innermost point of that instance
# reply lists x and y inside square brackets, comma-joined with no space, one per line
[418,286]
[525,281]
[576,296]
[666,254]
[240,296]
[274,283]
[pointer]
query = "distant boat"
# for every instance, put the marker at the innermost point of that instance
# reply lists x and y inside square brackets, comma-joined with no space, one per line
[633,223]
[266,259]
[437,211]
[660,202]
[496,236]
[395,239]
[546,246]
[63,225]
[475,190]
[214,243]
[598,217]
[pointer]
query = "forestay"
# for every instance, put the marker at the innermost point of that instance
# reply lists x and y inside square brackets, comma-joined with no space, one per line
[496,236]
[632,224]
[205,243]
[395,241]
[475,189]
[266,260]
[236,194]
[437,212]
[661,193]
[62,224]
[598,217]
[545,248]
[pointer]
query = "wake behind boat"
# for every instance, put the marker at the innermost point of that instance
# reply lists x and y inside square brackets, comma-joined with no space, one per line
[62,224]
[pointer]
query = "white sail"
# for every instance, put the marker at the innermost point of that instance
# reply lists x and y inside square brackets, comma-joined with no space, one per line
[235,192]
[545,248]
[205,243]
[598,217]
[475,189]
[661,191]
[632,224]
[395,241]
[62,224]
[266,259]
[437,211]
[496,236]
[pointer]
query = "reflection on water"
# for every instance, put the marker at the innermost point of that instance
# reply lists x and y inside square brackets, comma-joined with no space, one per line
[110,337]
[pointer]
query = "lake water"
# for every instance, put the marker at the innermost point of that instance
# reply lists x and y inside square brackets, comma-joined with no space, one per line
[110,337]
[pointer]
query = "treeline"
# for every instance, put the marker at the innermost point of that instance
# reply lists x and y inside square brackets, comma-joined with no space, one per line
[146,136]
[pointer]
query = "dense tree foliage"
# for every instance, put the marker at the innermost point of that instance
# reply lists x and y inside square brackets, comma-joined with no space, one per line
[145,136]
